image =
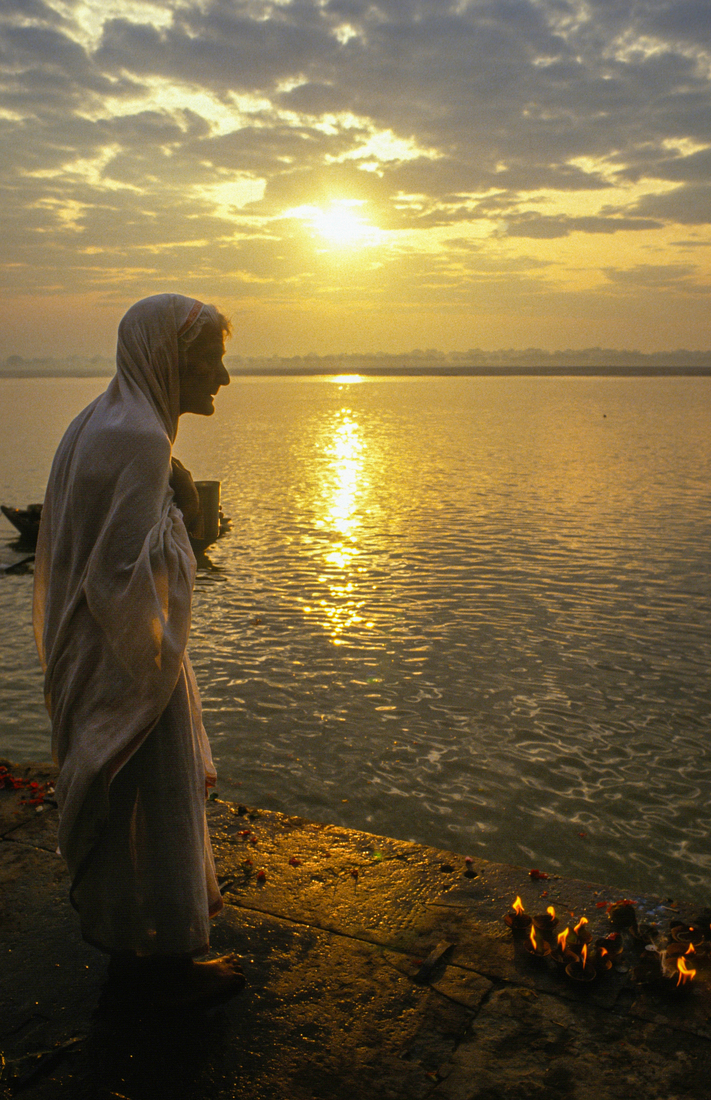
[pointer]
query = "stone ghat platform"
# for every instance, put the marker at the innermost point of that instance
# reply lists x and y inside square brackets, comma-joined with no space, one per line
[346,997]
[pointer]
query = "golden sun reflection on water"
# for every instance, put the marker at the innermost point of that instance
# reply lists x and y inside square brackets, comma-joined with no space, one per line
[342,489]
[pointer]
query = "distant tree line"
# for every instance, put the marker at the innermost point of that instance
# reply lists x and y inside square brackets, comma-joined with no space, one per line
[432,360]
[74,366]
[418,361]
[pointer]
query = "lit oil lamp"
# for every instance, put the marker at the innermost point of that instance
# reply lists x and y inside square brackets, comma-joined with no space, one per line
[612,944]
[687,933]
[676,971]
[583,935]
[686,974]
[674,949]
[561,952]
[582,970]
[518,919]
[666,970]
[546,922]
[537,947]
[602,959]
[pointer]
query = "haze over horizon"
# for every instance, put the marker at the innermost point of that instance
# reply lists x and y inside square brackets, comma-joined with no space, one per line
[430,361]
[347,174]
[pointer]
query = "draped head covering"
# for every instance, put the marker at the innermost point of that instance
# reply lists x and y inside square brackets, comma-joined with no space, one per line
[114,570]
[151,341]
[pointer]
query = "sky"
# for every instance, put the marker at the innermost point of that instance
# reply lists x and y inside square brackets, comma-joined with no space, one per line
[357,176]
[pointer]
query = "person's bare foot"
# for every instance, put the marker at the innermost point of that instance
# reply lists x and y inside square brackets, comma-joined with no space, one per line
[213,979]
[178,982]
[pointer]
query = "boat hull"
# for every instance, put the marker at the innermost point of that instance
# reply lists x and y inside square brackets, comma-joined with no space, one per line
[27,520]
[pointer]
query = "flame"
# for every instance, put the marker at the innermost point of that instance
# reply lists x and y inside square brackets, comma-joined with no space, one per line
[603,952]
[685,973]
[584,954]
[563,938]
[579,925]
[518,907]
[532,936]
[691,950]
[551,912]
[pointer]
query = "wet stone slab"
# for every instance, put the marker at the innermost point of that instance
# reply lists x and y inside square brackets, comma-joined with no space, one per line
[402,896]
[375,968]
[338,1017]
[525,1044]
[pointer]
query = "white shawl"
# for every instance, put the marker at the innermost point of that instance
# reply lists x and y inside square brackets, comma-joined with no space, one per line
[114,570]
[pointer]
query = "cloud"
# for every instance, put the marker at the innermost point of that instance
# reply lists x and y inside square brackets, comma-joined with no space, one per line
[505,89]
[658,277]
[549,226]
[130,133]
[219,47]
[687,205]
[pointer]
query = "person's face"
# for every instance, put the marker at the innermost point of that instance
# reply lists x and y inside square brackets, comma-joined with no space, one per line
[203,373]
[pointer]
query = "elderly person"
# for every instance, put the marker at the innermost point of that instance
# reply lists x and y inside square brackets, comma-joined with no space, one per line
[113,588]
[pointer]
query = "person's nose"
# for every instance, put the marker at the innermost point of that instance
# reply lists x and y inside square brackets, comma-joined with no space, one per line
[224,378]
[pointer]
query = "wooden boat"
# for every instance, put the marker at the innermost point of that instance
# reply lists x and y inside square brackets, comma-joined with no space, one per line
[27,521]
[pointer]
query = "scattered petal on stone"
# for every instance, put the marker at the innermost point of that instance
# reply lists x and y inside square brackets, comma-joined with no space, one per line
[38,791]
[469,871]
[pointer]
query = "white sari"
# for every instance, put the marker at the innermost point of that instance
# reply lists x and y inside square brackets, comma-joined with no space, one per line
[114,575]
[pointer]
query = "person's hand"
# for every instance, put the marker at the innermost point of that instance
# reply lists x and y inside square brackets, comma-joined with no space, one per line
[184,491]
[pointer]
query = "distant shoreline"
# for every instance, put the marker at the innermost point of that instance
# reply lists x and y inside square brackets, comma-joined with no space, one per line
[446,371]
[451,371]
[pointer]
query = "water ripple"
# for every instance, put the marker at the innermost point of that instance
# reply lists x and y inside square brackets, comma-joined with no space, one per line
[468,612]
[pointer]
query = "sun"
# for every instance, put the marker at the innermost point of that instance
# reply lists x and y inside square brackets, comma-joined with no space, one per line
[339,223]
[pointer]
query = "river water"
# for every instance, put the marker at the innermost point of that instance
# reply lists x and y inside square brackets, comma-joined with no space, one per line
[470,612]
